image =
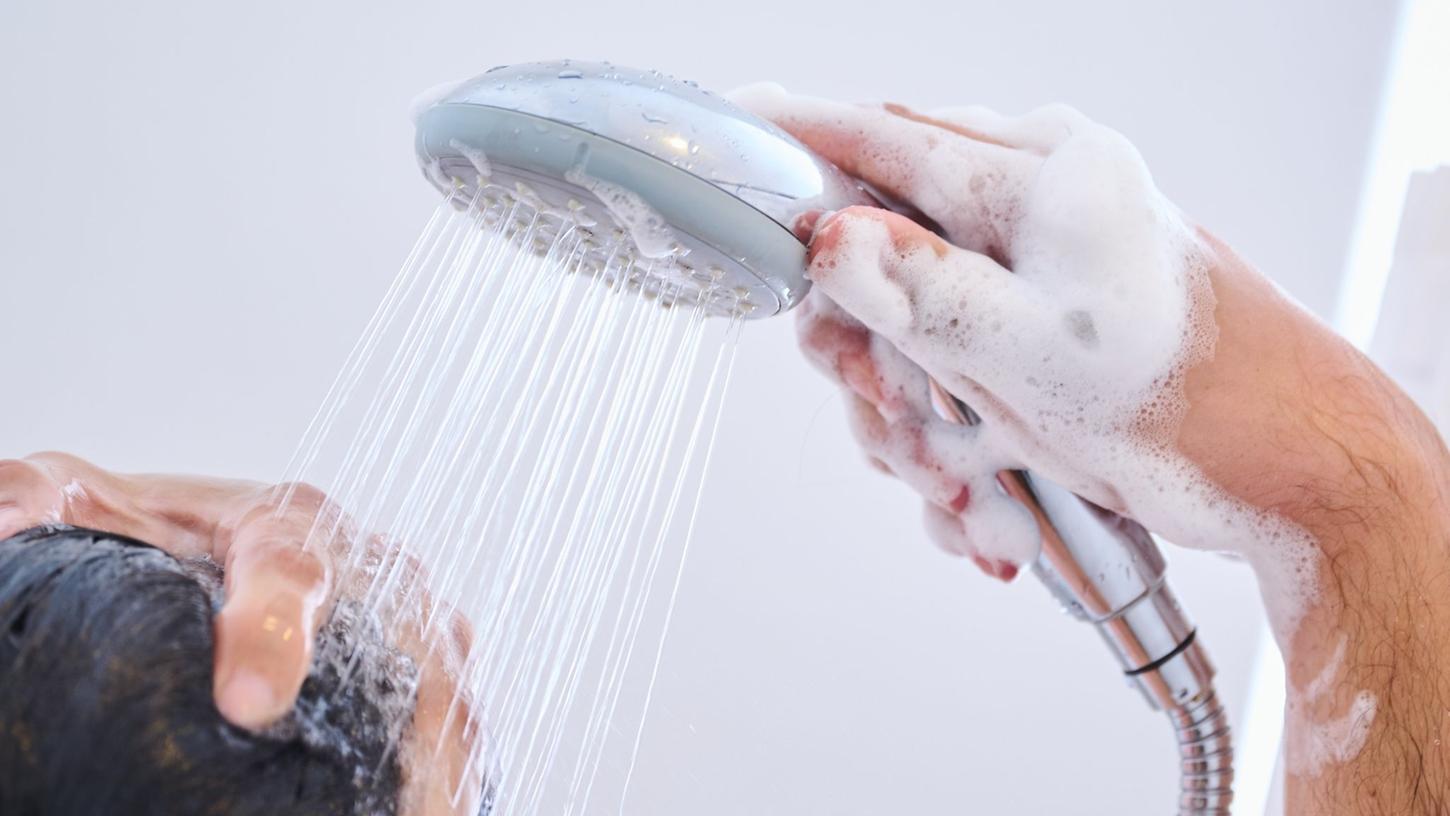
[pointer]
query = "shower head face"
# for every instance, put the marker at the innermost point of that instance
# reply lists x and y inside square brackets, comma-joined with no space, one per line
[692,185]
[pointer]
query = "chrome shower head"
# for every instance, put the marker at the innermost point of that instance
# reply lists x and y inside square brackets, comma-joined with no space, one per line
[702,187]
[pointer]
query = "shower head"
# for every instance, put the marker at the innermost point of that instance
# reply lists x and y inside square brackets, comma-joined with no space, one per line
[706,191]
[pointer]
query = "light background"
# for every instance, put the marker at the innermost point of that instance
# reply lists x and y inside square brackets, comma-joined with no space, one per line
[200,204]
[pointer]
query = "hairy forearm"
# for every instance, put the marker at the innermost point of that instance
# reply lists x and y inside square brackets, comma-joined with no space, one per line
[1368,703]
[1323,438]
[1369,698]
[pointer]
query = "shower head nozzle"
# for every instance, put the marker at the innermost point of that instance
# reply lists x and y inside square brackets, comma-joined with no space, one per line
[693,180]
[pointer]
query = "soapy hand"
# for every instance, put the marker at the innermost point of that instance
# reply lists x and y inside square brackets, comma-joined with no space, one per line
[1113,346]
[1107,342]
[1066,310]
[283,575]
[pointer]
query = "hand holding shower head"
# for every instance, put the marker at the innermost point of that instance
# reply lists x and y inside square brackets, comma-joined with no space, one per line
[708,193]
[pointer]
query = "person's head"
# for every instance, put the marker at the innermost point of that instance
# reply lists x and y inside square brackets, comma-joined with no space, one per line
[106,696]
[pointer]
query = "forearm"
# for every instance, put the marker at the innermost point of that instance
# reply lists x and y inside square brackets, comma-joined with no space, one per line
[1369,696]
[1321,437]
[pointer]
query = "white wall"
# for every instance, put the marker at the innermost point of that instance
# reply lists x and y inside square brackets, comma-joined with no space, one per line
[1410,340]
[200,203]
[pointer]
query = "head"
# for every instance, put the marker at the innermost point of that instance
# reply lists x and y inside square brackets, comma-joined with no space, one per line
[106,695]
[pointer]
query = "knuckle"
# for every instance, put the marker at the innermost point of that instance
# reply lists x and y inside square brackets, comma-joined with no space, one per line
[22,476]
[869,428]
[297,513]
[303,495]
[300,567]
[30,492]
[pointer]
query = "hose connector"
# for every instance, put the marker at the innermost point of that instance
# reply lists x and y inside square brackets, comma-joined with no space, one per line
[1107,570]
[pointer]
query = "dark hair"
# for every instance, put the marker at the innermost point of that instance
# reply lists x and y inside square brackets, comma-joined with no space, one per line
[106,696]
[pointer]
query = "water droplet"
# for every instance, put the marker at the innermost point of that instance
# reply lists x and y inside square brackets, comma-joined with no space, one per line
[570,74]
[694,149]
[652,119]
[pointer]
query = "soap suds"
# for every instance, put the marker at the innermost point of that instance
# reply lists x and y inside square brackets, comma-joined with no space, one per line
[1315,743]
[651,232]
[476,158]
[1075,359]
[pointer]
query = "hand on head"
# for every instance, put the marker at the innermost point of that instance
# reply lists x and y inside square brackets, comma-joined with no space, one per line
[283,550]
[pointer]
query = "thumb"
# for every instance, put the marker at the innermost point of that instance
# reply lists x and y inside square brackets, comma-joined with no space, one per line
[264,633]
[948,309]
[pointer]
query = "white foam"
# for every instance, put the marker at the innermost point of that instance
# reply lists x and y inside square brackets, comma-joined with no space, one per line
[1314,743]
[1076,358]
[651,232]
[476,158]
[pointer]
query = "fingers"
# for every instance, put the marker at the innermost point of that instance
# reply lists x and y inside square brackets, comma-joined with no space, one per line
[278,585]
[949,531]
[953,311]
[178,514]
[29,497]
[278,591]
[893,417]
[448,757]
[888,403]
[1041,131]
[904,446]
[839,345]
[968,184]
[966,515]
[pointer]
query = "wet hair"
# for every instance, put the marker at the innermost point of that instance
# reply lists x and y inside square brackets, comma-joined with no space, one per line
[106,696]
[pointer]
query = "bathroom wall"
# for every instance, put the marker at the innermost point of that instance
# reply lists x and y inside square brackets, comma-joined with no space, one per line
[201,203]
[1410,340]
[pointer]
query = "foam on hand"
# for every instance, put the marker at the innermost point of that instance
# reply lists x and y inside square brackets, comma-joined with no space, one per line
[1075,358]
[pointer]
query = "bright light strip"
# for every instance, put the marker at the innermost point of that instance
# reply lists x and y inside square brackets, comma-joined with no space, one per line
[1413,133]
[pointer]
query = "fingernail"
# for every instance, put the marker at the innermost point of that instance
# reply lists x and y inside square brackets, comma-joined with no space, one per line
[1000,569]
[825,235]
[247,699]
[1006,570]
[805,224]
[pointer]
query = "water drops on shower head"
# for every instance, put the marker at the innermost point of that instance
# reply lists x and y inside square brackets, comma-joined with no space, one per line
[695,188]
